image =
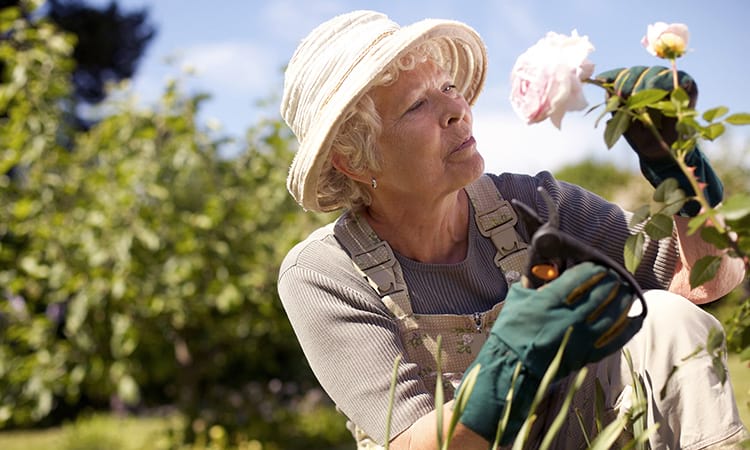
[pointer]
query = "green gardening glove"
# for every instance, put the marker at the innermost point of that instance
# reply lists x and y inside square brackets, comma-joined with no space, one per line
[656,164]
[588,297]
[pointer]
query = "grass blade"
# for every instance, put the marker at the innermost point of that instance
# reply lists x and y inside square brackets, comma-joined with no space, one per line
[608,436]
[462,397]
[439,395]
[391,395]
[547,379]
[560,418]
[506,411]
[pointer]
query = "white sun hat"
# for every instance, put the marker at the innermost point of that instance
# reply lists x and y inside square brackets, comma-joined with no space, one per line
[339,61]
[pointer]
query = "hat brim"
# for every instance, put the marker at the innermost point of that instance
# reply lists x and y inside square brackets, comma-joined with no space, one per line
[462,48]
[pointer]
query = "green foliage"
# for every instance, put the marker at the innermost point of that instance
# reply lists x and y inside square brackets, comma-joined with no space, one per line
[603,178]
[137,264]
[92,434]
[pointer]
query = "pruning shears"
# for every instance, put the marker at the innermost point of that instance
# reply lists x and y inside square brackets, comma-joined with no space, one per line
[552,251]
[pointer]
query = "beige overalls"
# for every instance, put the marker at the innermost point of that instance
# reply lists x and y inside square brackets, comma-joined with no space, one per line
[688,423]
[462,335]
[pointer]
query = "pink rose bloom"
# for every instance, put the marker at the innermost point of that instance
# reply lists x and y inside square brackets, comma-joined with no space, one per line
[666,40]
[546,79]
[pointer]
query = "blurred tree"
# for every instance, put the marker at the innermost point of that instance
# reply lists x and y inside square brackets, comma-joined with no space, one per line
[139,270]
[108,44]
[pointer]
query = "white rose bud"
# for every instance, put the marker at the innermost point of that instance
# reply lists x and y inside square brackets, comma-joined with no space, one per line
[668,41]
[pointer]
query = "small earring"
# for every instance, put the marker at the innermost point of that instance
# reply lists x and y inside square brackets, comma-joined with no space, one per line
[374,183]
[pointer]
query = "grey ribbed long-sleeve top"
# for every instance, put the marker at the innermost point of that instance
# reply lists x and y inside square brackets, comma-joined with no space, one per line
[350,338]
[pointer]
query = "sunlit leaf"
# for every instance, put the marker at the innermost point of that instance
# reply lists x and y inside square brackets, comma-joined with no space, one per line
[715,113]
[666,107]
[680,98]
[704,270]
[697,222]
[713,131]
[736,206]
[645,98]
[612,104]
[738,119]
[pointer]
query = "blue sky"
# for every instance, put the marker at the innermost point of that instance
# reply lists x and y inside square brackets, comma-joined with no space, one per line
[237,49]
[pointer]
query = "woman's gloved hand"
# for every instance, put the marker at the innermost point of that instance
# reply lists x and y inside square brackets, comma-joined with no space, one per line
[656,163]
[588,297]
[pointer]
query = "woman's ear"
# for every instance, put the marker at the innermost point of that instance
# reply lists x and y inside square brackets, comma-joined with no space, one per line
[341,163]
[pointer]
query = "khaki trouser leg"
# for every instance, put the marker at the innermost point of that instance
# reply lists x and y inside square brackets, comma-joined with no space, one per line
[697,411]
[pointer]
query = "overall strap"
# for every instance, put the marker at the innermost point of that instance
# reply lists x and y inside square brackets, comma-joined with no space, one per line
[496,220]
[375,260]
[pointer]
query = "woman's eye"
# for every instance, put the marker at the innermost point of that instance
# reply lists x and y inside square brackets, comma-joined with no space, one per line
[415,106]
[449,88]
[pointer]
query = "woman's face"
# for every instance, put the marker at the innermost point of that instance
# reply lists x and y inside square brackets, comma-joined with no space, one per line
[426,144]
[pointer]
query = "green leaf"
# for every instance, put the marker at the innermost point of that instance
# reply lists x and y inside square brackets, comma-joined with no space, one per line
[680,98]
[713,131]
[715,340]
[714,237]
[659,227]
[736,207]
[640,215]
[613,103]
[633,251]
[715,113]
[738,119]
[666,107]
[673,207]
[616,126]
[645,98]
[697,222]
[662,192]
[704,270]
[719,369]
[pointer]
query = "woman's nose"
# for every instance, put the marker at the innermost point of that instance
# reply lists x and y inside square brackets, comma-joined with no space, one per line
[454,109]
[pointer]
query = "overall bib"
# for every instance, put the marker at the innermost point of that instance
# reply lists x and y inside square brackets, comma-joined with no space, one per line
[462,335]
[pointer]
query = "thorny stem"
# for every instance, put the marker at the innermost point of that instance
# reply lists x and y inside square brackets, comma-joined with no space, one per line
[699,195]
[680,159]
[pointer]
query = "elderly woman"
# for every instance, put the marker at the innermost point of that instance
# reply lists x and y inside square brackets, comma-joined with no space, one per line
[430,246]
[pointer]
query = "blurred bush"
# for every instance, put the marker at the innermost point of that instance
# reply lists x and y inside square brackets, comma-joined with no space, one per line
[137,265]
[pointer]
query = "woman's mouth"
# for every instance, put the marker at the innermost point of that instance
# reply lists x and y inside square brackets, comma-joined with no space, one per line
[465,144]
